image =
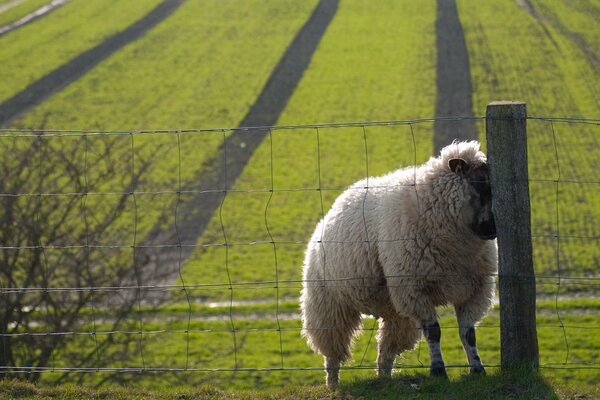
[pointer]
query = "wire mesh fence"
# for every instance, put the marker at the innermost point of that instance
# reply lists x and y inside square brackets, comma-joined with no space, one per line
[180,251]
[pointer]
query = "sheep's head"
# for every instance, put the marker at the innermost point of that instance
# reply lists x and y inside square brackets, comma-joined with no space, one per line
[478,210]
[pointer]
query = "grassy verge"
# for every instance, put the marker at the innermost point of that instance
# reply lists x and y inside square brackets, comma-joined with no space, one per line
[494,386]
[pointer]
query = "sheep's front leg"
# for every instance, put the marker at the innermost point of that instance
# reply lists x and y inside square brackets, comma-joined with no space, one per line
[467,337]
[433,334]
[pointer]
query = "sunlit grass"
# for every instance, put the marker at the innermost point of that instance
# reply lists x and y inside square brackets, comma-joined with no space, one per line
[261,349]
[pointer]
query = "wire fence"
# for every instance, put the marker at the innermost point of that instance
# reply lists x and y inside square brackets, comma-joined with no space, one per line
[159,251]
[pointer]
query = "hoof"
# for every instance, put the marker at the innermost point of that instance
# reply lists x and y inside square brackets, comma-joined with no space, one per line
[439,372]
[477,371]
[384,373]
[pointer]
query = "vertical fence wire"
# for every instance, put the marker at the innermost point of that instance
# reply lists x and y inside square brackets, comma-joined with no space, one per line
[414,143]
[138,275]
[274,245]
[87,249]
[225,190]
[41,255]
[367,242]
[322,206]
[557,238]
[180,255]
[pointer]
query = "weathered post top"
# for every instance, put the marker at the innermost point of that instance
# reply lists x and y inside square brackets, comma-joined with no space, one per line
[506,133]
[507,109]
[506,102]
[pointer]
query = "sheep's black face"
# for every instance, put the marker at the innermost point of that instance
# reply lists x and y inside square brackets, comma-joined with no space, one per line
[483,223]
[480,198]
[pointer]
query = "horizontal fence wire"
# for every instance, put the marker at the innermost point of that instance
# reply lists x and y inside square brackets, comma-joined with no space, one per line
[46,305]
[48,133]
[294,283]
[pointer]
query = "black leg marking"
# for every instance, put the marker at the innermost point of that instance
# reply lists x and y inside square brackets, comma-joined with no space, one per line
[467,336]
[433,333]
[470,337]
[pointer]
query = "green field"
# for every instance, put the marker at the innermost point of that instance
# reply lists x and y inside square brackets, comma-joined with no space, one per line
[203,68]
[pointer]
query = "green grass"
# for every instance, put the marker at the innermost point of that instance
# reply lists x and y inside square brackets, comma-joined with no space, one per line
[208,346]
[20,10]
[32,51]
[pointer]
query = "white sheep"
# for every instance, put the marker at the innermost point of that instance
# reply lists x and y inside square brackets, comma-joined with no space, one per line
[397,246]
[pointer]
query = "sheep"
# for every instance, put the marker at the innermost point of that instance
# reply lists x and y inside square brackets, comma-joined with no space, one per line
[397,246]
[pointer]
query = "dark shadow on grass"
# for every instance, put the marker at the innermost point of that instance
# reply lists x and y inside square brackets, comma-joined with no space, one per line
[453,79]
[498,385]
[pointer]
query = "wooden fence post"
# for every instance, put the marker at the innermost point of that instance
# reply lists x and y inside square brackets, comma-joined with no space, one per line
[506,133]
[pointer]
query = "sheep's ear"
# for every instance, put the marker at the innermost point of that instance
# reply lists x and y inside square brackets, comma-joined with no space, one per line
[458,166]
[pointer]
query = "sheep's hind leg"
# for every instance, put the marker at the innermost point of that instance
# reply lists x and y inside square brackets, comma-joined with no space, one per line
[396,334]
[332,372]
[329,327]
[433,334]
